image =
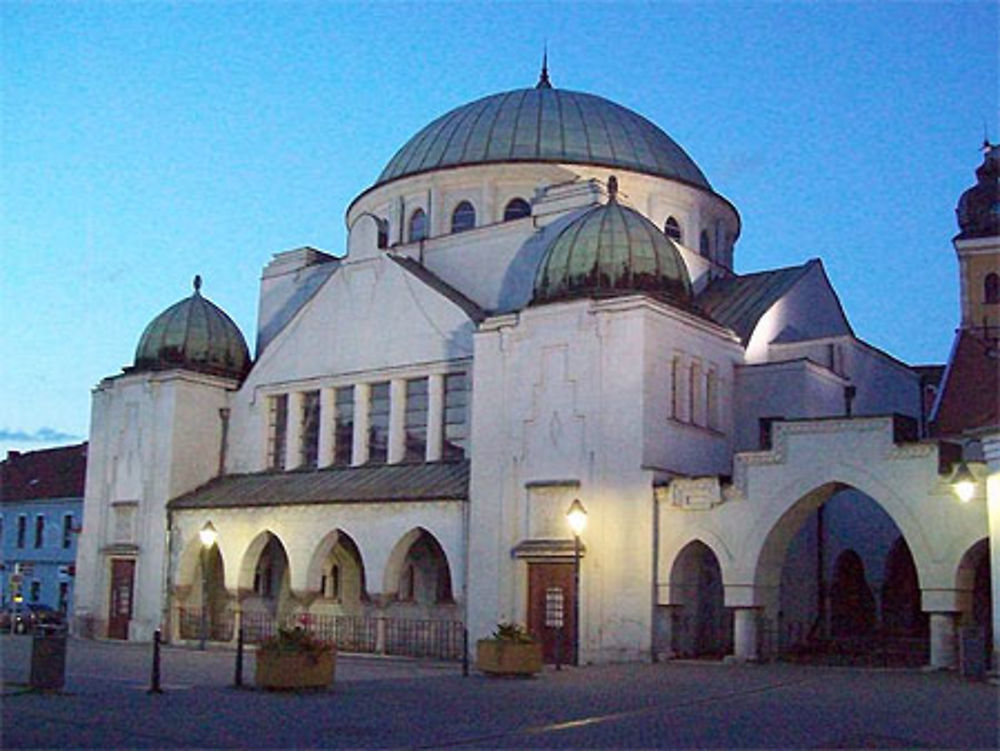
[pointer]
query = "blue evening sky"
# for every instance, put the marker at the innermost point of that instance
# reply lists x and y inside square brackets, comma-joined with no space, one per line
[143,143]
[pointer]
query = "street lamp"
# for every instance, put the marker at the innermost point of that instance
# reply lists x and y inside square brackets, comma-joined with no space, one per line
[576,515]
[963,482]
[208,536]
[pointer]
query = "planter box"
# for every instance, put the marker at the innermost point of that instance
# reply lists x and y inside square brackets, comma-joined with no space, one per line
[289,671]
[508,658]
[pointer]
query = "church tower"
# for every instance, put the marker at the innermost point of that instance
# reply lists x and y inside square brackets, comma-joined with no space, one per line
[978,246]
[968,399]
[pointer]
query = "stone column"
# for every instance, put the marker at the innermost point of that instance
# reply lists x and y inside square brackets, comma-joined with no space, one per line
[397,419]
[293,431]
[745,634]
[359,453]
[326,427]
[435,416]
[943,641]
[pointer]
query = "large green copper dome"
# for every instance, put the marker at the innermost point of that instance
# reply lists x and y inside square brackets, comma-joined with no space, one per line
[611,250]
[544,124]
[196,335]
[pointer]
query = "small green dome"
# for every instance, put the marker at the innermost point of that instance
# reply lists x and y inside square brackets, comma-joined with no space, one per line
[612,250]
[196,335]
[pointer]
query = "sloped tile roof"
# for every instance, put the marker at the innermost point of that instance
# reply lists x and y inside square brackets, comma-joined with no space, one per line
[366,484]
[970,388]
[50,473]
[738,302]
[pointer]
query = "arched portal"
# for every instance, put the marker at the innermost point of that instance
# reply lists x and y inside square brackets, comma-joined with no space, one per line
[265,584]
[852,605]
[840,564]
[337,575]
[701,626]
[977,616]
[901,615]
[418,573]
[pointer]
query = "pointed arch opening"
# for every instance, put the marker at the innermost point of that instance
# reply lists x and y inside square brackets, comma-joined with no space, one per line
[839,584]
[700,625]
[977,614]
[418,574]
[265,585]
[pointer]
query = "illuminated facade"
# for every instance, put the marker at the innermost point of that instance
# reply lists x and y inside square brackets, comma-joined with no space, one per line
[537,304]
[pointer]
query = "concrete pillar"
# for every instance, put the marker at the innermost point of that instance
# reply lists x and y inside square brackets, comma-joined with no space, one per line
[397,418]
[293,431]
[326,427]
[991,453]
[435,416]
[943,641]
[359,453]
[745,634]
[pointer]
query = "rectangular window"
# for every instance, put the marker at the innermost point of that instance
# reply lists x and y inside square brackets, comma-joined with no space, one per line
[39,531]
[22,529]
[310,430]
[416,420]
[277,427]
[35,591]
[694,394]
[67,530]
[766,425]
[456,432]
[675,388]
[64,597]
[378,423]
[712,399]
[343,439]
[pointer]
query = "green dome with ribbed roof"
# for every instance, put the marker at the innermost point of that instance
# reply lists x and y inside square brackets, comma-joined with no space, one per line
[544,124]
[611,250]
[193,334]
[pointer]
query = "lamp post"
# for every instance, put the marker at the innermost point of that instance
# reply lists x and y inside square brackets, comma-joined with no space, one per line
[576,515]
[208,536]
[963,482]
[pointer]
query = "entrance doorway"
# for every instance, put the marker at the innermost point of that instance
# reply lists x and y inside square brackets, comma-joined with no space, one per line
[120,606]
[548,585]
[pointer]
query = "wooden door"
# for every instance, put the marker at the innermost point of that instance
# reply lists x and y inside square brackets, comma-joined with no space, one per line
[548,584]
[120,607]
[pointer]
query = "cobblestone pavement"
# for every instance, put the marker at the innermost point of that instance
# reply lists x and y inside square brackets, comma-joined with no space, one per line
[403,703]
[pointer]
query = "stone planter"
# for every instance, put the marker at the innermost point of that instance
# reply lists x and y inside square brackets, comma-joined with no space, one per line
[287,671]
[498,657]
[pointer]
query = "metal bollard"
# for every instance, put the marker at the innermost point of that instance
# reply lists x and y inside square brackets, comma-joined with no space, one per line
[465,653]
[154,681]
[238,677]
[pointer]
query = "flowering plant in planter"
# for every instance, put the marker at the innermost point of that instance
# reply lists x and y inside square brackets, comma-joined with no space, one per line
[510,651]
[294,658]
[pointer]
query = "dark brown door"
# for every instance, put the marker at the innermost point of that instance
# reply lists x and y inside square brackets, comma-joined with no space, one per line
[550,585]
[120,610]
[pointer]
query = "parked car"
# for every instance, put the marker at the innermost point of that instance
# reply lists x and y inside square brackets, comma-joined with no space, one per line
[23,618]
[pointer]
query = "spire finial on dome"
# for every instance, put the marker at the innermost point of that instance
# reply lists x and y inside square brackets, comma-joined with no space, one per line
[612,188]
[543,78]
[197,284]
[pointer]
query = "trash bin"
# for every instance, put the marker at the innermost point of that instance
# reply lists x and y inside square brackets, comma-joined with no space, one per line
[972,652]
[48,658]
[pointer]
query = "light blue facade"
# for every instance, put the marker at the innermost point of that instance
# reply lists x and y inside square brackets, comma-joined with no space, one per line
[39,546]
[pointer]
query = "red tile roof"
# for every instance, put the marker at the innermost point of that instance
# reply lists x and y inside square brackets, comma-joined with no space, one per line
[49,473]
[970,390]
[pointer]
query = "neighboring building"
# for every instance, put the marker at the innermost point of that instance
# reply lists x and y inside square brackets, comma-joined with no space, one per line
[537,305]
[41,506]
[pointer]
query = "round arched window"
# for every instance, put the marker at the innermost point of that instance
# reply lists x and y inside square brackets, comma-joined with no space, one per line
[418,226]
[673,230]
[463,217]
[517,208]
